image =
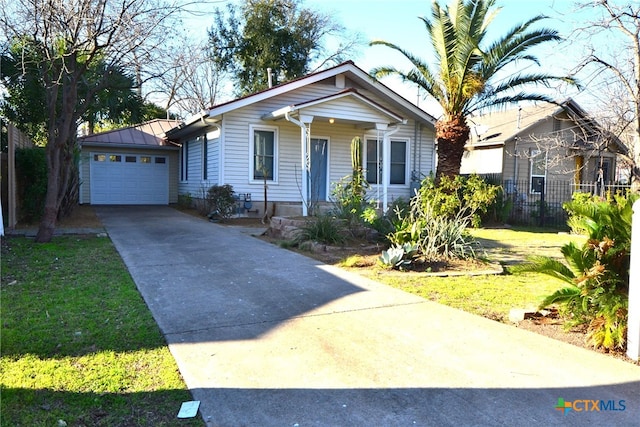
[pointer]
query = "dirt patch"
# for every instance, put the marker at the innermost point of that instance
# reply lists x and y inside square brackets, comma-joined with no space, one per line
[82,216]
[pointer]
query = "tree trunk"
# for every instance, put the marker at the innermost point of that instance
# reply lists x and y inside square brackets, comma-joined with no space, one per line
[51,206]
[60,145]
[452,134]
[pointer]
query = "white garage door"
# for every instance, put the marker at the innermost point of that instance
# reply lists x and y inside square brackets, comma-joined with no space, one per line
[129,179]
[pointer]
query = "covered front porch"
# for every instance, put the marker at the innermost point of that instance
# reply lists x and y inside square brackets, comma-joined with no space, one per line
[316,118]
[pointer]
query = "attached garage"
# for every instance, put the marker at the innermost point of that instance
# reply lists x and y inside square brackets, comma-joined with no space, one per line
[131,166]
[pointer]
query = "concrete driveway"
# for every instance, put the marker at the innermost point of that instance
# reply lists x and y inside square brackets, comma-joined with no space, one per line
[266,337]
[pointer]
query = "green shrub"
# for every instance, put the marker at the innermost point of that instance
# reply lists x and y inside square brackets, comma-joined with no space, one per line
[220,201]
[596,274]
[380,223]
[216,202]
[436,236]
[323,229]
[461,197]
[31,174]
[185,201]
[349,195]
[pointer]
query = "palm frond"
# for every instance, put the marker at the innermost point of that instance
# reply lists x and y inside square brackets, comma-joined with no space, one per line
[561,296]
[548,266]
[491,102]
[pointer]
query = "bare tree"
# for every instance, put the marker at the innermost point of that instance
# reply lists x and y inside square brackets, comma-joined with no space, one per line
[189,81]
[63,38]
[617,68]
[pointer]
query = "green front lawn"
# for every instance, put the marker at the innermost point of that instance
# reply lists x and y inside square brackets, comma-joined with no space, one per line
[79,344]
[492,296]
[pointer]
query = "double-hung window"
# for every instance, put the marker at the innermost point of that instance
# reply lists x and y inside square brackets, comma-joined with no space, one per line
[264,148]
[538,161]
[397,161]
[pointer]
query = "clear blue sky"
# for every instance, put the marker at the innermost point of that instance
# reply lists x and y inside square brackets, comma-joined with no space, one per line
[397,21]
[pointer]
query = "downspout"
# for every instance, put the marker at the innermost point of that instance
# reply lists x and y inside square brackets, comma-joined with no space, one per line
[515,160]
[515,149]
[415,148]
[304,188]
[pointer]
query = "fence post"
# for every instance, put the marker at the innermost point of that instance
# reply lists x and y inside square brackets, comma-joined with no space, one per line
[633,327]
[542,201]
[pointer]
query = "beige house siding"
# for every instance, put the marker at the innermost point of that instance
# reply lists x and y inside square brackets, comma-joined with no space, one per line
[562,164]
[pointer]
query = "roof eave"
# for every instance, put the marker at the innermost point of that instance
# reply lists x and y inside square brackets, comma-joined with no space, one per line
[98,144]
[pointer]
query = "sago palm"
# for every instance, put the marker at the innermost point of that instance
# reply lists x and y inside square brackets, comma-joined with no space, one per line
[597,273]
[470,73]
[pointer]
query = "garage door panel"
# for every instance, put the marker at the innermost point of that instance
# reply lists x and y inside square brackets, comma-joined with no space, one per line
[129,182]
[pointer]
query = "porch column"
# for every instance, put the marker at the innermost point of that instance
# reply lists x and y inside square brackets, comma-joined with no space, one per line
[304,122]
[386,153]
[305,142]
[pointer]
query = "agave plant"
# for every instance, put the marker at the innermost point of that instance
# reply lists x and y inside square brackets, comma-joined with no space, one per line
[597,273]
[398,256]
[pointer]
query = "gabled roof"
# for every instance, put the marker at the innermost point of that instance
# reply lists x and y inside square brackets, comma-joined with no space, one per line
[148,134]
[401,106]
[505,126]
[347,93]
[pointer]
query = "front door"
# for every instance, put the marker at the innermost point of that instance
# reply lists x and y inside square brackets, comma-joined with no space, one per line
[318,174]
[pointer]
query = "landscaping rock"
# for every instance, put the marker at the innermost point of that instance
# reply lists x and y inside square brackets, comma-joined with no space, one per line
[519,314]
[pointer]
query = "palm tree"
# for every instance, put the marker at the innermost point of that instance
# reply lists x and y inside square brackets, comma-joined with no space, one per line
[468,69]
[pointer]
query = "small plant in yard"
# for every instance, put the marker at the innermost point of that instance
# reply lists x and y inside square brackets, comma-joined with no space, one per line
[435,235]
[350,193]
[185,201]
[596,273]
[398,256]
[221,202]
[322,229]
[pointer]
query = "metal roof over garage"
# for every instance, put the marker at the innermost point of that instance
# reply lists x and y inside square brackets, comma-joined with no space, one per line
[145,135]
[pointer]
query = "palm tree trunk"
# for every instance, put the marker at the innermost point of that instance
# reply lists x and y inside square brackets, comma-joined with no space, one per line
[452,134]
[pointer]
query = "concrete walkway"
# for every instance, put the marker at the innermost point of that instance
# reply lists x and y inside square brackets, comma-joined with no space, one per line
[266,337]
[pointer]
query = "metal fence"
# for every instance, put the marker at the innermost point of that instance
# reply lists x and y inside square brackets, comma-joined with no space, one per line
[539,203]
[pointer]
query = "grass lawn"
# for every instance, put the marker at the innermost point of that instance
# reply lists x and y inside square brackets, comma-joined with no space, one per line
[78,342]
[491,296]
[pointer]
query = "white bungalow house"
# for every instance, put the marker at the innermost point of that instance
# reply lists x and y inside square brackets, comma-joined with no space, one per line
[296,136]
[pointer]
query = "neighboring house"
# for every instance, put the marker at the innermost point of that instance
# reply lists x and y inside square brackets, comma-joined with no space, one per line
[136,165]
[296,136]
[554,143]
[555,148]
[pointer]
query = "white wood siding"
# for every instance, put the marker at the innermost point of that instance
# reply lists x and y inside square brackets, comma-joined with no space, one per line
[234,150]
[194,183]
[213,161]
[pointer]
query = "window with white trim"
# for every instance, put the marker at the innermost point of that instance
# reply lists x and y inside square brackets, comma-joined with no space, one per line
[538,170]
[397,163]
[263,152]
